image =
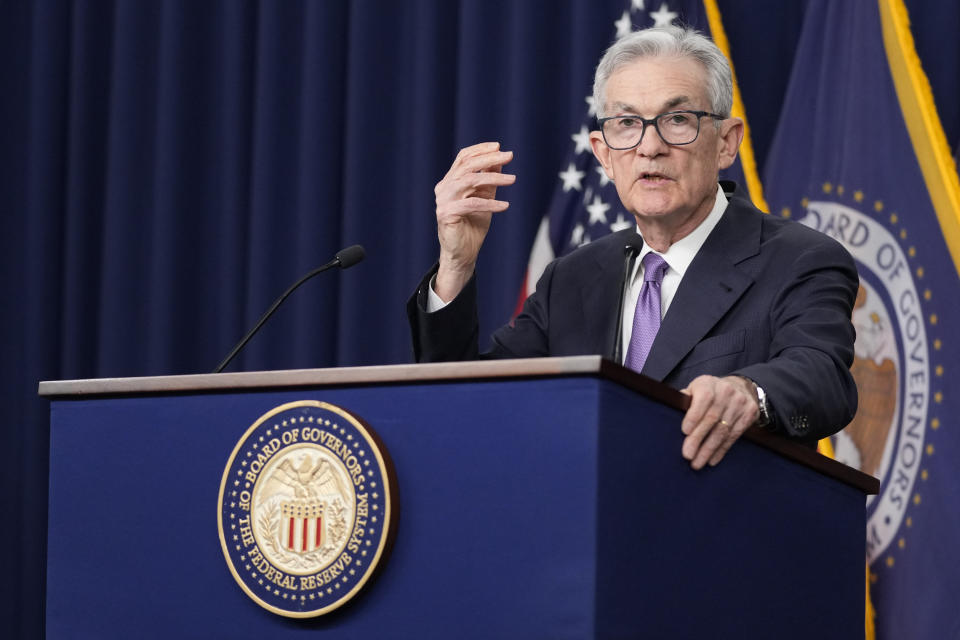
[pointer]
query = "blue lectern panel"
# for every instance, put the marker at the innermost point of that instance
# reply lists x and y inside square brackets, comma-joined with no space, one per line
[495,537]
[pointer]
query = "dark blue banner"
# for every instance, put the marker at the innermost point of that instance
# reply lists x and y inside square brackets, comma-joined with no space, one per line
[860,155]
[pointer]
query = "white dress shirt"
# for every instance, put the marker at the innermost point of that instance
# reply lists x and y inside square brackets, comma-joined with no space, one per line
[678,258]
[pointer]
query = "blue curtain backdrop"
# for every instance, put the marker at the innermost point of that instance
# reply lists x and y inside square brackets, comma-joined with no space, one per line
[168,168]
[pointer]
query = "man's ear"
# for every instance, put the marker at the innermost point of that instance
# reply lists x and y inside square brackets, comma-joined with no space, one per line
[601,152]
[731,135]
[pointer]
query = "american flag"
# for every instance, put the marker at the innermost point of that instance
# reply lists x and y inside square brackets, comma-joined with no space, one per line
[585,205]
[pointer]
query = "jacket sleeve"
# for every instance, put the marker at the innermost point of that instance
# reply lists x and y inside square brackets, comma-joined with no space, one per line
[448,334]
[807,378]
[451,333]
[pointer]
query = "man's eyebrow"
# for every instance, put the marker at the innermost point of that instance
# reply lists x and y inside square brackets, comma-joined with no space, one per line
[676,102]
[621,107]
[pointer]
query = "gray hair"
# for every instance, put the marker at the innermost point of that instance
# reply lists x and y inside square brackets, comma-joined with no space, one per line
[663,42]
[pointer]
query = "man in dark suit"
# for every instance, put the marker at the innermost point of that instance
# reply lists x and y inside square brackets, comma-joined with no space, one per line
[747,313]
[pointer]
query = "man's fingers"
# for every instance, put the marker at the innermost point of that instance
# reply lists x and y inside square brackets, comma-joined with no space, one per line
[488,179]
[719,453]
[466,206]
[489,162]
[461,185]
[736,430]
[699,432]
[470,188]
[699,419]
[475,149]
[718,434]
[702,397]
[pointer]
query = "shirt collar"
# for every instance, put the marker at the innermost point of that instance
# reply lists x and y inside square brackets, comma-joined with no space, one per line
[682,252]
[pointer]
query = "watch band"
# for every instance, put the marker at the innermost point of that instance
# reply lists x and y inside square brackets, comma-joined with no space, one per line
[763,417]
[763,420]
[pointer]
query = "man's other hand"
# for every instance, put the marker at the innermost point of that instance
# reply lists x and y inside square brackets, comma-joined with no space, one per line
[721,409]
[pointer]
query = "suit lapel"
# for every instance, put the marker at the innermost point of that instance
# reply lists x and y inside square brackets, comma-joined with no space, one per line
[709,288]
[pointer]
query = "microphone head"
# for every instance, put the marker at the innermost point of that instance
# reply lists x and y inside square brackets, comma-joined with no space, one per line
[350,256]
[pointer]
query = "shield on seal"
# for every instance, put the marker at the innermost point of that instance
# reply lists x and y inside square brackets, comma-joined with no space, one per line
[302,528]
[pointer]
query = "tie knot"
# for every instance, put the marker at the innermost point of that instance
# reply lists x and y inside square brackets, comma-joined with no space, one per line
[654,266]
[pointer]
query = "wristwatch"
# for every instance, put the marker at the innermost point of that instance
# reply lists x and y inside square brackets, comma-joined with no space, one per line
[763,418]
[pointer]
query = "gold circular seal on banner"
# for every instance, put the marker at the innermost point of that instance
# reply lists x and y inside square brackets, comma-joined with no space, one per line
[306,510]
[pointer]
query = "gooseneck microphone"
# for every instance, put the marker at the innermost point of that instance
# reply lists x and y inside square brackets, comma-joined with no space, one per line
[630,252]
[344,259]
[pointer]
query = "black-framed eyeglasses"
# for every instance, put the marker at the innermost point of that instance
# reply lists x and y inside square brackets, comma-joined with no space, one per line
[673,127]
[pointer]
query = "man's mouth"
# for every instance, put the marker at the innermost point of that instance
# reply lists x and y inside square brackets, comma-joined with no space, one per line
[653,176]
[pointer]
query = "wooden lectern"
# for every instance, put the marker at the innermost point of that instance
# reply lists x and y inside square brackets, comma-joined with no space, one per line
[542,498]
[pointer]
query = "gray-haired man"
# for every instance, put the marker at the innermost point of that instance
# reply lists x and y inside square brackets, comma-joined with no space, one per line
[754,311]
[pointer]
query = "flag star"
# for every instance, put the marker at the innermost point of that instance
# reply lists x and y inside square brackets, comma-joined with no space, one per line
[604,179]
[662,17]
[620,223]
[623,25]
[572,178]
[638,5]
[591,106]
[582,139]
[576,237]
[598,211]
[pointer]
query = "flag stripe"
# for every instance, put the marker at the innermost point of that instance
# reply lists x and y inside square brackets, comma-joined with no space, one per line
[923,123]
[747,158]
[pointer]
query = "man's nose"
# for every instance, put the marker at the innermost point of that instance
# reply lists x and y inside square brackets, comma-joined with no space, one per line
[651,144]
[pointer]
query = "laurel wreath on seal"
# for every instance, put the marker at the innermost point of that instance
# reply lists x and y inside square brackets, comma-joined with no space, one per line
[268,526]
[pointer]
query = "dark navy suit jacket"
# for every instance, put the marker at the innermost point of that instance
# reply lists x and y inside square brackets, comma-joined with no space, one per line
[764,298]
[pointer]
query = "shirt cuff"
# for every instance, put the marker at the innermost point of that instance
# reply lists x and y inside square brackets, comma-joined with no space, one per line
[434,302]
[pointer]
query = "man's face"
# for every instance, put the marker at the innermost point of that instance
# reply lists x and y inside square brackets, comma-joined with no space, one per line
[660,183]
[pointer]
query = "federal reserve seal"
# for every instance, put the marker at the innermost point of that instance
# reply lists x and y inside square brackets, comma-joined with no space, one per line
[895,362]
[305,510]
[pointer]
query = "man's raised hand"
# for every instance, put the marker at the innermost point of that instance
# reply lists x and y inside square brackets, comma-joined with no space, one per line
[466,202]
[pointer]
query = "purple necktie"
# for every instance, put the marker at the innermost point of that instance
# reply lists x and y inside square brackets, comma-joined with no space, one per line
[646,319]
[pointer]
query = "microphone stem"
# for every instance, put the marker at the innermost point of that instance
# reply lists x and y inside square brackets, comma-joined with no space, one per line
[240,345]
[630,254]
